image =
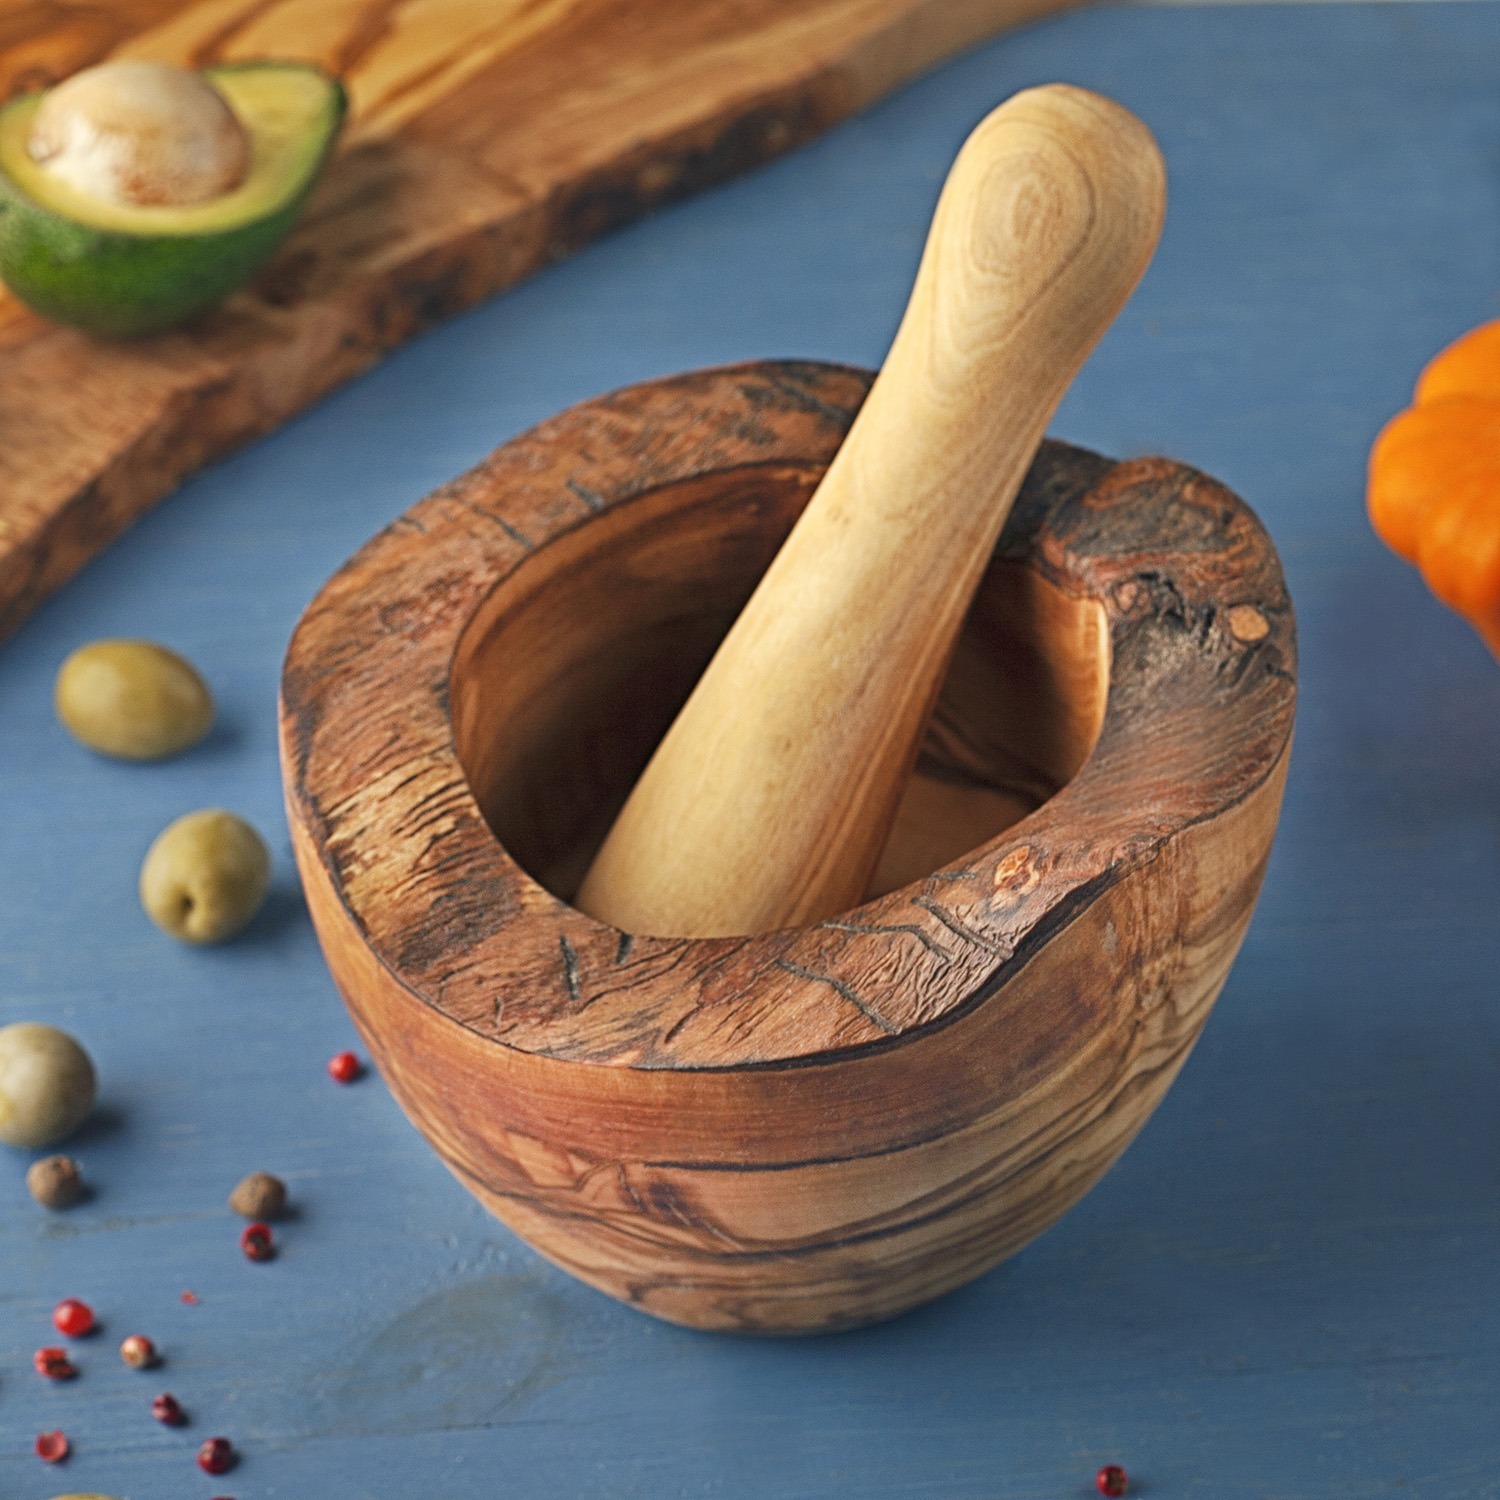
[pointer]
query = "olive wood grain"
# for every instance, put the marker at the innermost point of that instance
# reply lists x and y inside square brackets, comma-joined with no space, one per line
[486,138]
[823,1125]
[769,800]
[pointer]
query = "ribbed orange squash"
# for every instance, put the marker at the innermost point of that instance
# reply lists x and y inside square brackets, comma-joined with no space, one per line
[1434,479]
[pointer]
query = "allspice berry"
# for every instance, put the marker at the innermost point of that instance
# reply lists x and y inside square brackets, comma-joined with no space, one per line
[259,1196]
[55,1182]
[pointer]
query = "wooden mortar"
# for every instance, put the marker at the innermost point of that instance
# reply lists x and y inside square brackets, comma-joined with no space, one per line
[821,1126]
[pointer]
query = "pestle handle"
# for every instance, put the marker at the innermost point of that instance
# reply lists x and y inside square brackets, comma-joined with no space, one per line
[769,800]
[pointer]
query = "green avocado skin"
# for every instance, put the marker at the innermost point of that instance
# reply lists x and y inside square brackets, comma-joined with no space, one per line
[119,285]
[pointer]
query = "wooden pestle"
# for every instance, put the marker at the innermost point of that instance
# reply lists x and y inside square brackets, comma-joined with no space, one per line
[769,800]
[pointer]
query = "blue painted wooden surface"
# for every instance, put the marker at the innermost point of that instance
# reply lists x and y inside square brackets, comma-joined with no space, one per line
[1287,1288]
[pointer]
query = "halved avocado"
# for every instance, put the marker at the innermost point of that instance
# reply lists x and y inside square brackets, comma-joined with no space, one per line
[121,269]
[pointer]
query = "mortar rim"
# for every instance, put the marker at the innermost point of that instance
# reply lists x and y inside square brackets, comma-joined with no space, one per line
[809,415]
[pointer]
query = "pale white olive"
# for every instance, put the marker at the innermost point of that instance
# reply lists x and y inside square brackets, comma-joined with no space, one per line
[140,132]
[46,1084]
[205,876]
[133,699]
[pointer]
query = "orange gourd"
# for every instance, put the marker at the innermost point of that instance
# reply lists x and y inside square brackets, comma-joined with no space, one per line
[1434,480]
[1459,551]
[1469,366]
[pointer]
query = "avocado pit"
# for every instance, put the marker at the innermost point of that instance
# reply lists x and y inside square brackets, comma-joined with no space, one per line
[141,132]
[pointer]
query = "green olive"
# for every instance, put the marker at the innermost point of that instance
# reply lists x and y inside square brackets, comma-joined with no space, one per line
[205,876]
[46,1084]
[133,699]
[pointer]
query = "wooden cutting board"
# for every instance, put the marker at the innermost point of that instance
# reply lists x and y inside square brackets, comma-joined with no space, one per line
[487,138]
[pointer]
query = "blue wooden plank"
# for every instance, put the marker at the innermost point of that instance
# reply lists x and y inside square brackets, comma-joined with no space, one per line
[1286,1288]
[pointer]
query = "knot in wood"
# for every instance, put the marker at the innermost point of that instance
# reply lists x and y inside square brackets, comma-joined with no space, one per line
[1247,625]
[1017,873]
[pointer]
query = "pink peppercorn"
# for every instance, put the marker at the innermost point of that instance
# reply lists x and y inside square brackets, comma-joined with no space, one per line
[72,1318]
[167,1409]
[52,1447]
[257,1243]
[1111,1480]
[54,1364]
[344,1068]
[216,1456]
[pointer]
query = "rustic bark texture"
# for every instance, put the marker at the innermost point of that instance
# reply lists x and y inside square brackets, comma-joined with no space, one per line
[486,138]
[820,1126]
